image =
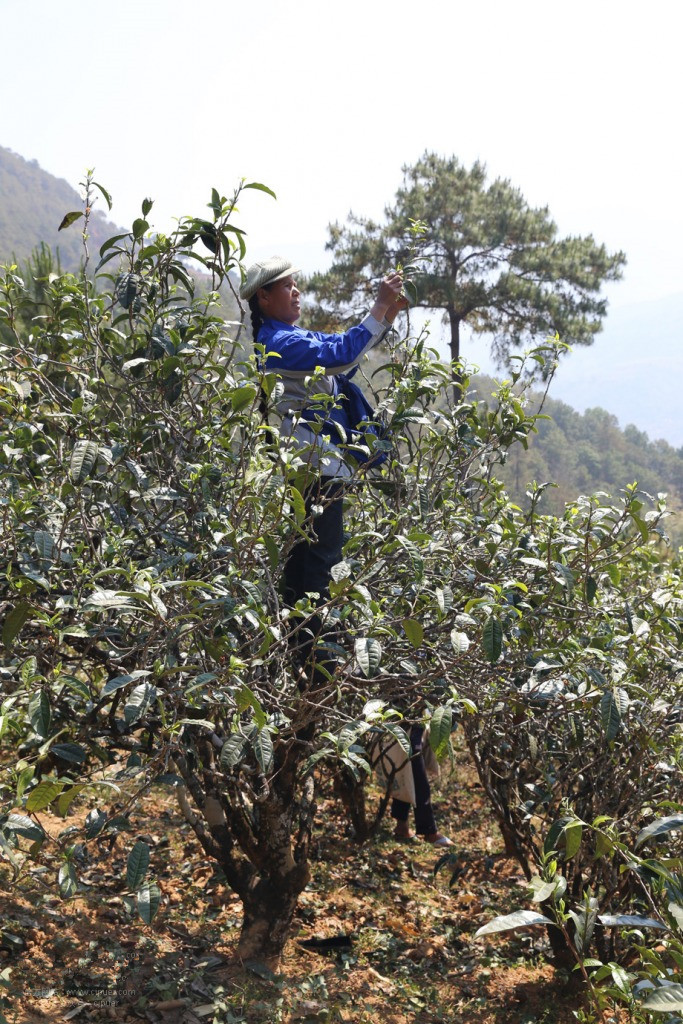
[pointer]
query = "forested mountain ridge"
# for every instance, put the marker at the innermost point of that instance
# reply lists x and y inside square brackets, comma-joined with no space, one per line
[582,453]
[32,205]
[576,453]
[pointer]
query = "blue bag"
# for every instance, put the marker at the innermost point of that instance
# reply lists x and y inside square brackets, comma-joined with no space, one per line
[355,409]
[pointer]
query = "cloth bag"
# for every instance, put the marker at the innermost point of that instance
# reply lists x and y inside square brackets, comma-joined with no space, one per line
[393,758]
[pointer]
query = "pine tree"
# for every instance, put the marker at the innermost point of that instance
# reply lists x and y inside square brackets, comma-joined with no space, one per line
[485,258]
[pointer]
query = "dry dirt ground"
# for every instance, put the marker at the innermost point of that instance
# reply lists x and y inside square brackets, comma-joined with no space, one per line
[412,959]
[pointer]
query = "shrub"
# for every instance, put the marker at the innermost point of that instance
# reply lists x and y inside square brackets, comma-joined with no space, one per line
[147,512]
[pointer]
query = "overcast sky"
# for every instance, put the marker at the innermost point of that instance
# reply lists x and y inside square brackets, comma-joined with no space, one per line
[577,104]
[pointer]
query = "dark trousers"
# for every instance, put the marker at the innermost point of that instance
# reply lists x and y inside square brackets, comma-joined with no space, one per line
[310,562]
[425,825]
[308,568]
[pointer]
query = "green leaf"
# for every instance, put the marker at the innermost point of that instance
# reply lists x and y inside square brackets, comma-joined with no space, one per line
[614,573]
[369,655]
[414,553]
[543,890]
[444,598]
[272,550]
[94,823]
[130,364]
[610,714]
[299,505]
[147,205]
[23,826]
[620,978]
[101,599]
[585,921]
[642,527]
[242,397]
[630,921]
[414,631]
[83,459]
[111,242]
[233,751]
[261,188]
[148,901]
[67,798]
[25,777]
[39,713]
[537,563]
[128,290]
[14,861]
[67,881]
[676,911]
[440,725]
[43,795]
[400,735]
[140,225]
[425,505]
[137,865]
[492,639]
[572,836]
[107,197]
[45,545]
[460,641]
[510,922]
[591,589]
[565,576]
[604,846]
[554,833]
[660,827]
[72,752]
[120,681]
[665,999]
[138,702]
[340,571]
[198,723]
[69,218]
[29,670]
[14,620]
[22,388]
[245,698]
[262,743]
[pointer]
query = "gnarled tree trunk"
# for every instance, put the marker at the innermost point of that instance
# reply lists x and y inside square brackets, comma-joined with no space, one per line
[269,905]
[260,839]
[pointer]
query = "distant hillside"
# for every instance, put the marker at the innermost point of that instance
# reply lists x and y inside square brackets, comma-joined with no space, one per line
[32,204]
[587,452]
[633,368]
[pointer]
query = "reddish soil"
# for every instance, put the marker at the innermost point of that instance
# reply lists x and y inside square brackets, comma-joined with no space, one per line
[413,958]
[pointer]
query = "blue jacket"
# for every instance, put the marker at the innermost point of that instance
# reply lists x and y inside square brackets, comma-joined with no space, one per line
[295,354]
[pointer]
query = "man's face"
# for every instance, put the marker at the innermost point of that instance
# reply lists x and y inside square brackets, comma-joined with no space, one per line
[281,301]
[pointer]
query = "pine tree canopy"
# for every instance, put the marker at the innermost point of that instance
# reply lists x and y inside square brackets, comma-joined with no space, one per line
[479,253]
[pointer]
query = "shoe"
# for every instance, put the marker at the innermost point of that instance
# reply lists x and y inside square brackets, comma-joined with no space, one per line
[404,839]
[440,841]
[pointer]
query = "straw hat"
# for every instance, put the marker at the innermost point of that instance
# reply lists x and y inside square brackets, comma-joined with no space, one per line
[265,272]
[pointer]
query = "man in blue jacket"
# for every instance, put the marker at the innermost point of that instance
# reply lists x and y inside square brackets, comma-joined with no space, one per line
[322,411]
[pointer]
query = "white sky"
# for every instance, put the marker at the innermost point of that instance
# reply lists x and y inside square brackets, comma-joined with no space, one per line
[578,104]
